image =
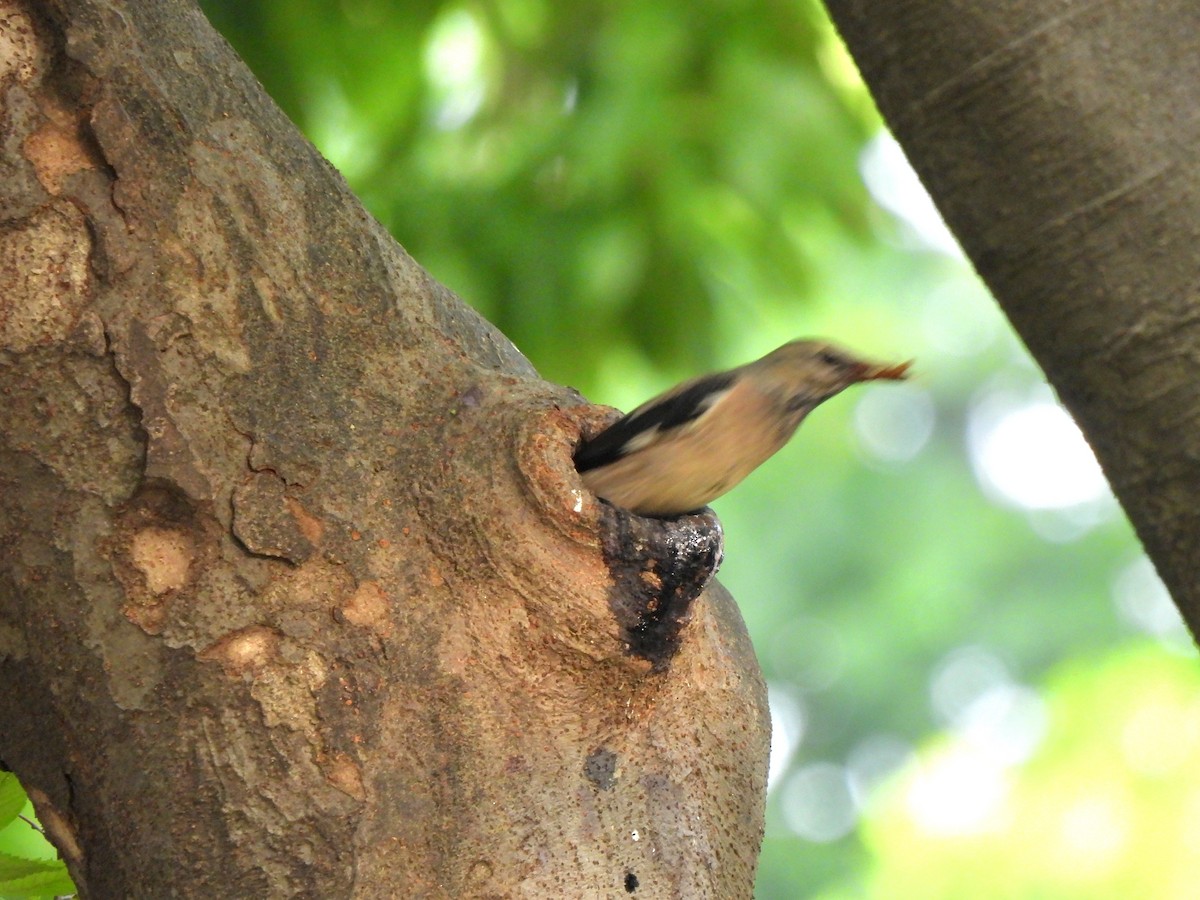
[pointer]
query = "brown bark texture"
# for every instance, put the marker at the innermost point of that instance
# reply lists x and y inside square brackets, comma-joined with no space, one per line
[1059,140]
[300,593]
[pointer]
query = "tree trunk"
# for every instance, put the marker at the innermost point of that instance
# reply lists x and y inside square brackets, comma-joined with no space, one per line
[1059,140]
[300,594]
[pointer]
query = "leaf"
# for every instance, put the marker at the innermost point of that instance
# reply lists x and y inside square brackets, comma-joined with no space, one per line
[33,877]
[12,798]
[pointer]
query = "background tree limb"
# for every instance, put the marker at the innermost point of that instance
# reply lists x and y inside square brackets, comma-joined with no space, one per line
[1057,139]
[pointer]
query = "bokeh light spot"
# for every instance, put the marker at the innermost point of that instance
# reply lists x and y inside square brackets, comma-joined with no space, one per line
[1093,831]
[454,57]
[818,804]
[1033,456]
[961,790]
[787,730]
[896,187]
[894,425]
[1143,602]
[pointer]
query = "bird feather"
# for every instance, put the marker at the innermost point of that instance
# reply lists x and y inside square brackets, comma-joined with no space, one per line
[686,403]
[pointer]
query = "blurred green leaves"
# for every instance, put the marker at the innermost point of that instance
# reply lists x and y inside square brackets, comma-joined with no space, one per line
[1107,807]
[588,175]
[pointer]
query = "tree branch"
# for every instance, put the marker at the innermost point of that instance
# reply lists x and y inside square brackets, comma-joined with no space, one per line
[1057,141]
[300,592]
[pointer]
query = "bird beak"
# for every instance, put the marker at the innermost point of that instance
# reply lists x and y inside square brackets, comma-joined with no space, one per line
[871,372]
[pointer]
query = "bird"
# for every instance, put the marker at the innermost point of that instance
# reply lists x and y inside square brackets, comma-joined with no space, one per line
[681,450]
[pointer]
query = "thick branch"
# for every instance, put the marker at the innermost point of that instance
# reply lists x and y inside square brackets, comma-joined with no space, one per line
[300,594]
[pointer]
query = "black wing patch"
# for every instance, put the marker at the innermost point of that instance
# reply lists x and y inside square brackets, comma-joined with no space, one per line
[671,411]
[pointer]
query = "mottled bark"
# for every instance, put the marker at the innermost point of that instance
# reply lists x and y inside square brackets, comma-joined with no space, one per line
[300,594]
[1059,140]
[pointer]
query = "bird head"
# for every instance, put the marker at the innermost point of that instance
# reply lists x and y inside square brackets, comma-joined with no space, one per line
[806,373]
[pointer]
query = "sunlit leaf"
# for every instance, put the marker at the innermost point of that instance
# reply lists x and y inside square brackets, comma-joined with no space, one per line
[12,798]
[33,878]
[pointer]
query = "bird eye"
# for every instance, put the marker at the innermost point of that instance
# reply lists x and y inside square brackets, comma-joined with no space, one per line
[831,359]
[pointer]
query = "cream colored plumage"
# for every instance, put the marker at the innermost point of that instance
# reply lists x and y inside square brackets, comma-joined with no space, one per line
[688,446]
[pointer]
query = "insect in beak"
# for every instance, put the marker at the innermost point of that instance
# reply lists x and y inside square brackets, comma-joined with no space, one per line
[869,372]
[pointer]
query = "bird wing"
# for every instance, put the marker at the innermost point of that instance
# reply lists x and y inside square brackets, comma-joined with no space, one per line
[682,404]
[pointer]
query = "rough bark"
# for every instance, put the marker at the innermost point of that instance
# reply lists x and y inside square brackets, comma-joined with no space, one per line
[300,594]
[1058,139]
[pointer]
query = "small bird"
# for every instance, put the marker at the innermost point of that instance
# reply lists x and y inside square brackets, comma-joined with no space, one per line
[684,448]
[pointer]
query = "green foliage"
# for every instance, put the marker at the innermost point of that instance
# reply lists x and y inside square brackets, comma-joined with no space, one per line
[29,866]
[587,174]
[12,798]
[1106,808]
